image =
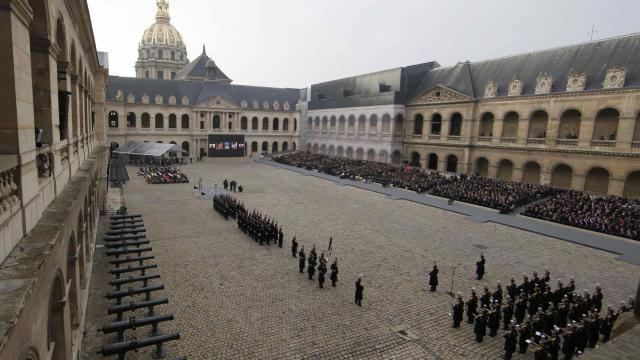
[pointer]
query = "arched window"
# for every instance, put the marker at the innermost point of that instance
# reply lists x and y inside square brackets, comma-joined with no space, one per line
[436,124]
[455,127]
[432,163]
[538,125]
[452,163]
[570,125]
[531,173]
[254,147]
[295,126]
[216,122]
[415,159]
[274,147]
[486,125]
[285,124]
[276,124]
[113,119]
[482,167]
[285,146]
[160,54]
[597,181]
[505,170]
[146,121]
[173,55]
[606,125]
[131,120]
[243,123]
[173,121]
[562,176]
[418,124]
[632,185]
[510,125]
[185,121]
[159,121]
[254,124]
[265,124]
[265,146]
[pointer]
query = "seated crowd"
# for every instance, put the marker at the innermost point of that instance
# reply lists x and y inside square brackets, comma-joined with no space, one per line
[611,215]
[163,175]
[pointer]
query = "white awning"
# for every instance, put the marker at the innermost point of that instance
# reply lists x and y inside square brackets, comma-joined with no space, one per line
[145,149]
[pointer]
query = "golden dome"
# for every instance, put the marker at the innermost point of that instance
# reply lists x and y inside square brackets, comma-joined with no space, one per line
[162,32]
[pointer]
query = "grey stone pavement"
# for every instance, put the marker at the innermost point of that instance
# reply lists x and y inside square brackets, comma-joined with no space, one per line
[233,299]
[629,250]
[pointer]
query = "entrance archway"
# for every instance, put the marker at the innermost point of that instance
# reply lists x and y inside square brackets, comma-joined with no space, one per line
[433,162]
[531,173]
[562,176]
[505,170]
[58,329]
[415,159]
[597,181]
[452,163]
[482,167]
[632,185]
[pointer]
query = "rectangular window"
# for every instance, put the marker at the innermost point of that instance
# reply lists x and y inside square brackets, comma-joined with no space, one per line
[113,123]
[385,88]
[160,75]
[201,125]
[146,74]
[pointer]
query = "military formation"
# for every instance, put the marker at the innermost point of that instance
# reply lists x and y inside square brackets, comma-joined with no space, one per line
[265,230]
[531,314]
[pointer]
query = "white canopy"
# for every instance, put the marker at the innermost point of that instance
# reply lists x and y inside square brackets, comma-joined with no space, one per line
[145,149]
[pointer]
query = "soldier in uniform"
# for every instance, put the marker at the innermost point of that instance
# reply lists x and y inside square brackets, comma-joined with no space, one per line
[525,334]
[497,294]
[596,299]
[507,313]
[301,259]
[512,289]
[311,267]
[521,308]
[472,306]
[480,327]
[485,299]
[568,344]
[294,247]
[433,278]
[510,341]
[480,267]
[280,237]
[321,273]
[359,291]
[334,273]
[458,311]
[494,320]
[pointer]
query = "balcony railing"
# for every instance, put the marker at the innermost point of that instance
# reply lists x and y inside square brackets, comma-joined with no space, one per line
[635,144]
[536,141]
[434,137]
[603,143]
[508,140]
[484,138]
[454,138]
[567,142]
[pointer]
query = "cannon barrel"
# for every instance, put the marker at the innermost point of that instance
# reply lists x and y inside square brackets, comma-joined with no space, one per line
[134,323]
[124,237]
[130,216]
[133,268]
[127,226]
[122,347]
[125,232]
[120,308]
[131,279]
[118,294]
[125,244]
[129,259]
[122,251]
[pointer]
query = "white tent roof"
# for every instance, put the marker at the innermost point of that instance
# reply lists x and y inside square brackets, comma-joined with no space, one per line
[145,148]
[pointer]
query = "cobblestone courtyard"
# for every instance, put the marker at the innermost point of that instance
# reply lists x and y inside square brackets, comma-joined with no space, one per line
[235,299]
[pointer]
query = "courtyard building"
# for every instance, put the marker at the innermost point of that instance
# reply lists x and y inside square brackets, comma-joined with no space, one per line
[52,166]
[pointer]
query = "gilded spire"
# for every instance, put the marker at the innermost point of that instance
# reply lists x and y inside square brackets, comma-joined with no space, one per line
[163,10]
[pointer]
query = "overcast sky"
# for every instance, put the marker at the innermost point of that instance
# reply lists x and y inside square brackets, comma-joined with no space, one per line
[296,43]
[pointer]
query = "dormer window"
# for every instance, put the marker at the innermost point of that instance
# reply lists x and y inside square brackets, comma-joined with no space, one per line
[383,88]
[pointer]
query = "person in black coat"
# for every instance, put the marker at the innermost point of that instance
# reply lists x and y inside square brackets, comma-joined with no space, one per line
[510,341]
[311,267]
[359,292]
[472,306]
[225,183]
[525,334]
[302,257]
[458,311]
[294,247]
[480,268]
[321,279]
[480,327]
[334,273]
[433,278]
[280,237]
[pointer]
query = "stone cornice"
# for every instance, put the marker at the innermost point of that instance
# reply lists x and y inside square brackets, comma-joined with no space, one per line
[527,149]
[20,8]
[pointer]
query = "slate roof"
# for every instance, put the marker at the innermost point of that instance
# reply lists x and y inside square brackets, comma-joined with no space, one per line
[198,92]
[364,89]
[197,70]
[592,58]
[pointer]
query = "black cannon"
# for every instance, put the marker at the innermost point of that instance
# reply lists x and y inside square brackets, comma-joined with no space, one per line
[132,323]
[121,251]
[126,244]
[132,306]
[129,216]
[124,237]
[128,259]
[126,226]
[126,232]
[119,294]
[121,348]
[131,279]
[141,268]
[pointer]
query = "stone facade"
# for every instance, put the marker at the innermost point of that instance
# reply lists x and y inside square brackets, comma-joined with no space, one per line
[53,85]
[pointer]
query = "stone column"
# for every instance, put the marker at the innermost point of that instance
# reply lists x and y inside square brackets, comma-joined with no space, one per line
[553,126]
[577,182]
[492,171]
[523,131]
[616,186]
[444,130]
[586,132]
[498,124]
[626,128]
[517,174]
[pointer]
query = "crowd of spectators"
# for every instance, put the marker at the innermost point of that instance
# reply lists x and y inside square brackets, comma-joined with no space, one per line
[611,214]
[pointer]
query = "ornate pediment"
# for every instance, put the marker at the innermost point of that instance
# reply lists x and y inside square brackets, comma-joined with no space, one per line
[614,78]
[286,106]
[491,89]
[440,94]
[218,102]
[159,99]
[276,105]
[145,99]
[544,83]
[131,98]
[119,96]
[515,87]
[172,100]
[576,81]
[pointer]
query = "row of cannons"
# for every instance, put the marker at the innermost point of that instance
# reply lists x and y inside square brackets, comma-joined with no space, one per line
[129,252]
